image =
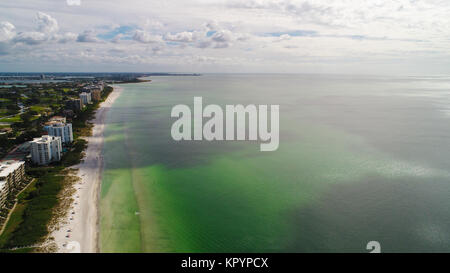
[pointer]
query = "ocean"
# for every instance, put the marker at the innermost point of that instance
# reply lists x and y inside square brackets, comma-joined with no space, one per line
[361,158]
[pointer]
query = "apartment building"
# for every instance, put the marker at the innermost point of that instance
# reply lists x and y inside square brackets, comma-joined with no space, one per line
[46,149]
[85,98]
[59,129]
[12,173]
[96,95]
[75,105]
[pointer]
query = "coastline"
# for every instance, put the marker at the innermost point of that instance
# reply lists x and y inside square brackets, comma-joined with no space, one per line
[81,222]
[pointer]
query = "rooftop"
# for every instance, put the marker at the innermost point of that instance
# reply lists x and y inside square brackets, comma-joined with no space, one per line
[56,124]
[7,167]
[44,139]
[58,118]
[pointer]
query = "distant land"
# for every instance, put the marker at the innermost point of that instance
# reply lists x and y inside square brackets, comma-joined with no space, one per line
[7,77]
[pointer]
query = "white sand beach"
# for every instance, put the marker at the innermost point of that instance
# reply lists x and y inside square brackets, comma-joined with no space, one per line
[79,232]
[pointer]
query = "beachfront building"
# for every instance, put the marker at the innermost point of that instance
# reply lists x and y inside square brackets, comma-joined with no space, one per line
[75,105]
[4,192]
[46,149]
[60,129]
[101,85]
[96,94]
[12,173]
[85,98]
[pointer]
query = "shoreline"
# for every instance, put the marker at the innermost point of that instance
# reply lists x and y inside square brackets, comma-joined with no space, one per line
[78,230]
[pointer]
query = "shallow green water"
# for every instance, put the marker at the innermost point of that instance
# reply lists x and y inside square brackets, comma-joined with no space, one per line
[360,159]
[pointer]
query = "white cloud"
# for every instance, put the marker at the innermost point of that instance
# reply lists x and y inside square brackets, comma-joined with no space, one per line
[262,34]
[7,31]
[88,36]
[30,38]
[223,36]
[46,23]
[66,37]
[218,39]
[204,44]
[73,2]
[47,26]
[184,37]
[153,24]
[145,37]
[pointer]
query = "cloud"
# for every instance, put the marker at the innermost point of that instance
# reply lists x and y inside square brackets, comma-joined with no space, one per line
[322,12]
[204,44]
[117,33]
[145,37]
[66,37]
[31,38]
[283,37]
[158,49]
[88,36]
[221,45]
[7,34]
[223,36]
[7,31]
[46,23]
[47,26]
[263,34]
[212,26]
[73,2]
[217,39]
[153,24]
[243,37]
[184,37]
[117,38]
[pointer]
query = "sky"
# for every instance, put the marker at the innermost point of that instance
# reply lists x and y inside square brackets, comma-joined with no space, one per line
[396,37]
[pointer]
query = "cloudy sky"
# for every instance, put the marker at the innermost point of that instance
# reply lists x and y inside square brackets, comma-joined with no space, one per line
[401,37]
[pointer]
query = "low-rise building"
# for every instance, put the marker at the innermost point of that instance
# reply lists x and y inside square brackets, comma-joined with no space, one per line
[46,149]
[85,98]
[11,175]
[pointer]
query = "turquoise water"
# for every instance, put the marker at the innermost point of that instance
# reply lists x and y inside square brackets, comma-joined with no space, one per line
[360,159]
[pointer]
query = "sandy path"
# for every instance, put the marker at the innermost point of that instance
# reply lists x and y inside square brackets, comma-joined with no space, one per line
[79,232]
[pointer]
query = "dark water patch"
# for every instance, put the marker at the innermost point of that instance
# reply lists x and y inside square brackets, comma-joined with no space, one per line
[404,215]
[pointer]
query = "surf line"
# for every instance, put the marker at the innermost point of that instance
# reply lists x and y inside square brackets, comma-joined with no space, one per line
[235,123]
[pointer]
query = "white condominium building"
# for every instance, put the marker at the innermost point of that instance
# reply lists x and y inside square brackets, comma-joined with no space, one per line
[85,98]
[46,149]
[61,130]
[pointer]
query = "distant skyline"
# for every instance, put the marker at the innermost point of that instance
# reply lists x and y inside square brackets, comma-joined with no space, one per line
[403,37]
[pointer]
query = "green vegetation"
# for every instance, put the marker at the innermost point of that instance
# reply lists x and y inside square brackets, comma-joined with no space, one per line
[75,155]
[28,224]
[30,221]
[13,119]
